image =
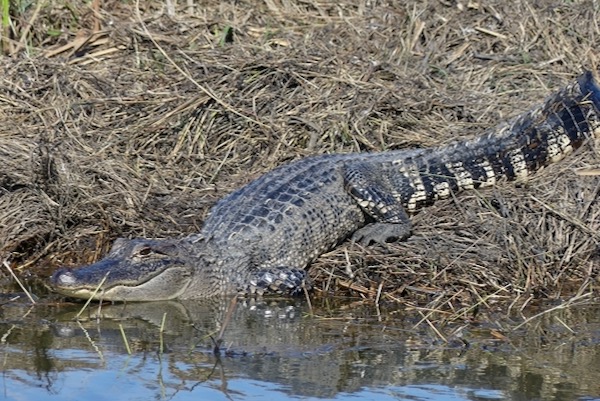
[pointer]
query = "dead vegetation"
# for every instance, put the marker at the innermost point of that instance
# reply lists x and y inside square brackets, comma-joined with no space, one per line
[124,120]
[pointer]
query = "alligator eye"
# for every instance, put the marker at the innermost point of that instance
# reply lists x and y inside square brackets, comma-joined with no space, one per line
[145,251]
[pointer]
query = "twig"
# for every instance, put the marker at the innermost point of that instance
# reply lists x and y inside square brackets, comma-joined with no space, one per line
[564,325]
[161,332]
[124,336]
[307,297]
[5,263]
[93,295]
[91,341]
[570,302]
[439,334]
[577,223]
[96,17]
[219,340]
[25,32]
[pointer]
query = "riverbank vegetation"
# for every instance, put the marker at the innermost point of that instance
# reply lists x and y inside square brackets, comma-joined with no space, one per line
[126,119]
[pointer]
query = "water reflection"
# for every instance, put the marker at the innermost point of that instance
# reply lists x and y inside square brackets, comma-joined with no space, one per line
[277,349]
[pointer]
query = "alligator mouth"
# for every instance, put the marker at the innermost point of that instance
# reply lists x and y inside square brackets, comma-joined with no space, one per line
[167,283]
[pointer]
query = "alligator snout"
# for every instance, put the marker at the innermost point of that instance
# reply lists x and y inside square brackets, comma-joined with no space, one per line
[133,270]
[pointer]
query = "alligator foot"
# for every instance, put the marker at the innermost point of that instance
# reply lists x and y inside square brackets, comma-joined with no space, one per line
[382,233]
[279,280]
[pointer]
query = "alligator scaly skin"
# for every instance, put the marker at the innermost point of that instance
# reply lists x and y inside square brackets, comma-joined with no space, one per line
[261,237]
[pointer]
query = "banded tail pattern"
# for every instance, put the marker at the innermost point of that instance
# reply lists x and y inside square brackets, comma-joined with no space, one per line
[544,135]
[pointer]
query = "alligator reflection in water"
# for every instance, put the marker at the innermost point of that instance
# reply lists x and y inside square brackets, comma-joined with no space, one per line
[278,348]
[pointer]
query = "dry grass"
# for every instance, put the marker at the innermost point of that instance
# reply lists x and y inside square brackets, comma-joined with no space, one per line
[117,121]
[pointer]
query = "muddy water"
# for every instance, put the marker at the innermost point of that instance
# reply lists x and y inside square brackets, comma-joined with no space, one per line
[278,350]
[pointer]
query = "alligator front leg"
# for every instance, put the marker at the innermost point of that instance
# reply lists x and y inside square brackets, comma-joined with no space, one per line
[381,202]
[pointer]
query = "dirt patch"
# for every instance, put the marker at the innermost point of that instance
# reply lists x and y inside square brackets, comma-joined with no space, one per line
[117,121]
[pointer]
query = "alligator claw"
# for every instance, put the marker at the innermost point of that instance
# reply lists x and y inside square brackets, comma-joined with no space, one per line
[381,233]
[283,281]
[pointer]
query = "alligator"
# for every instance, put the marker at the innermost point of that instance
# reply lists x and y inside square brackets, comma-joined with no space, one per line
[260,238]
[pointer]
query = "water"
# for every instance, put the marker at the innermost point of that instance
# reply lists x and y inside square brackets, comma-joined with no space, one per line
[279,350]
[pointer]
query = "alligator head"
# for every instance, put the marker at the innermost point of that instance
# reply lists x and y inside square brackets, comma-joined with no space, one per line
[133,270]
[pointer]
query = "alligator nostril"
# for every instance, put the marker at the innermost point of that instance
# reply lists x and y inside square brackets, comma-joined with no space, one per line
[63,277]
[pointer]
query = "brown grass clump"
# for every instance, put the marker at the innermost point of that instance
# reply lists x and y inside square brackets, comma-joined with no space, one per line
[119,121]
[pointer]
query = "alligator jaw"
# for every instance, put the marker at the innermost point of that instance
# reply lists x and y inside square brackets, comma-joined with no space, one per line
[134,270]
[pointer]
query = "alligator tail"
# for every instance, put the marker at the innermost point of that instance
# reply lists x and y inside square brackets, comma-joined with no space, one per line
[514,150]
